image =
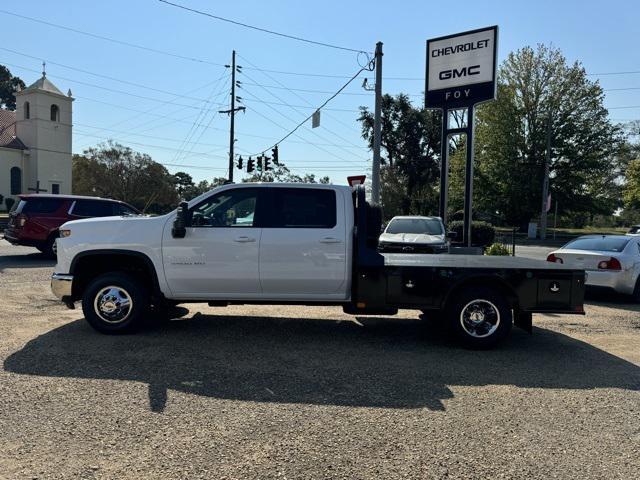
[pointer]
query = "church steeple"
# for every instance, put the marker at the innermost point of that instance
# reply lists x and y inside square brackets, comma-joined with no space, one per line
[44,124]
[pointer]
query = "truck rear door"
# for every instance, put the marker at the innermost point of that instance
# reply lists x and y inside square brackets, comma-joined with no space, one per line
[303,250]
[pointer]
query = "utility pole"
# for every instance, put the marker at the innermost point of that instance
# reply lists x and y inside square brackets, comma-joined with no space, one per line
[232,112]
[377,129]
[545,181]
[468,179]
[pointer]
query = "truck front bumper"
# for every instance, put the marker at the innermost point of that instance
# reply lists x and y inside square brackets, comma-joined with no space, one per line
[61,286]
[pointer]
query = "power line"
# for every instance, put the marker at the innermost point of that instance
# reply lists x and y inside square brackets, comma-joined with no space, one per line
[295,134]
[306,90]
[260,29]
[147,122]
[112,40]
[185,121]
[127,82]
[155,137]
[320,107]
[300,97]
[209,62]
[123,92]
[312,131]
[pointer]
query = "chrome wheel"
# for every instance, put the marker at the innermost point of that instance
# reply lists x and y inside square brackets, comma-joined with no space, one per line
[480,318]
[113,304]
[54,248]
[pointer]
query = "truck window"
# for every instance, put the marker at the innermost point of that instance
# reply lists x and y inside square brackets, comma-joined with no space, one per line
[304,208]
[122,209]
[231,208]
[93,208]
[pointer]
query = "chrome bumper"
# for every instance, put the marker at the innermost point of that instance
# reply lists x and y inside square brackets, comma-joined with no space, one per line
[61,285]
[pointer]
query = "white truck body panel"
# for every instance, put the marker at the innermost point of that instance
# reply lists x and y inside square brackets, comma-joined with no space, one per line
[294,264]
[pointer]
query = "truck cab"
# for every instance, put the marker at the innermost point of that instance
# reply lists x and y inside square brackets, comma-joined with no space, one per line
[293,243]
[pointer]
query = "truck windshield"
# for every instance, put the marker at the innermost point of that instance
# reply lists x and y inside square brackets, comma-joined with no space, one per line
[602,244]
[429,226]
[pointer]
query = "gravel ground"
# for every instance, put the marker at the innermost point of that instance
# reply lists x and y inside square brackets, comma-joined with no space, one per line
[297,392]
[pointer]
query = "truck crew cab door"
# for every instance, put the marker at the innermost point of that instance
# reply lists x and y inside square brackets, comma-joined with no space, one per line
[218,256]
[303,251]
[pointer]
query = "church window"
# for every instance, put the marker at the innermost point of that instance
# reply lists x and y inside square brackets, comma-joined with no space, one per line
[27,110]
[55,188]
[16,180]
[55,113]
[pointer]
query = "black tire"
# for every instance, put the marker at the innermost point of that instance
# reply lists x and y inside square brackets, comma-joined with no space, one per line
[636,291]
[479,317]
[48,248]
[115,303]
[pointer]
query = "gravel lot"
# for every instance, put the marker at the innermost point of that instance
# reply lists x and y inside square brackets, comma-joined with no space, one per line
[294,392]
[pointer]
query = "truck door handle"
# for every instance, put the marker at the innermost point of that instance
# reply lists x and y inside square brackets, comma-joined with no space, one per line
[244,239]
[330,240]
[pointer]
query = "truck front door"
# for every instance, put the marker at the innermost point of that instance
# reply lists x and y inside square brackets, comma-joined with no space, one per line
[218,257]
[303,251]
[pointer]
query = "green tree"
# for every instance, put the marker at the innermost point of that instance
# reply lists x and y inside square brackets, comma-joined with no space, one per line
[281,173]
[8,86]
[511,140]
[410,144]
[187,189]
[631,193]
[114,171]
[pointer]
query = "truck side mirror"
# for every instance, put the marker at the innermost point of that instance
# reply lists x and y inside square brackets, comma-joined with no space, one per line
[179,229]
[452,235]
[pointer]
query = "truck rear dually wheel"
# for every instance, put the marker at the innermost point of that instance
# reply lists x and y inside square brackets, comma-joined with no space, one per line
[115,303]
[480,317]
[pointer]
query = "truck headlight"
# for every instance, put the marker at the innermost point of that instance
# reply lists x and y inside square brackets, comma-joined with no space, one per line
[65,233]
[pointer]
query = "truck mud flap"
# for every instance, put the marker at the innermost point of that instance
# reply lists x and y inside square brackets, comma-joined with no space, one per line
[523,320]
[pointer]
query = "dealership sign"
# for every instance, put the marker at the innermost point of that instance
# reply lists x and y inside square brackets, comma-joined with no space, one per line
[461,69]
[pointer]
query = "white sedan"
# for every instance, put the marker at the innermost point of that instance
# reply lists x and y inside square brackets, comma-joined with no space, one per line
[611,261]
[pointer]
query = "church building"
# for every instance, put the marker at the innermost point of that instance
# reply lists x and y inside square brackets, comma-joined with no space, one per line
[35,142]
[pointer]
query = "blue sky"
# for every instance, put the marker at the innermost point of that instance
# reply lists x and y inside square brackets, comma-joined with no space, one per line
[166,114]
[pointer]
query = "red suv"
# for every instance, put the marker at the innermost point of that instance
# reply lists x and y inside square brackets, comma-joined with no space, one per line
[34,221]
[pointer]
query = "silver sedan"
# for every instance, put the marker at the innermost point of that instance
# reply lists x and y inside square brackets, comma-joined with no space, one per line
[611,261]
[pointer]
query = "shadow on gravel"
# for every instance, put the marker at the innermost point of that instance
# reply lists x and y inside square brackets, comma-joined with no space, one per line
[386,363]
[29,260]
[611,299]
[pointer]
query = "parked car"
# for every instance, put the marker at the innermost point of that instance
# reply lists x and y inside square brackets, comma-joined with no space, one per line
[414,234]
[612,261]
[634,230]
[35,219]
[308,244]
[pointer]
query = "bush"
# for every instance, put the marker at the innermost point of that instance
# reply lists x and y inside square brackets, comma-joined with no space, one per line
[482,233]
[9,203]
[497,249]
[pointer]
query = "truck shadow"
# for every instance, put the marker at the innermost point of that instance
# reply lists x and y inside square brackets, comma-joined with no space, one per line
[386,363]
[27,260]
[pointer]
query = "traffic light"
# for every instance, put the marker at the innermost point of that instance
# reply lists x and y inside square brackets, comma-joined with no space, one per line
[260,163]
[250,165]
[240,163]
[266,164]
[274,150]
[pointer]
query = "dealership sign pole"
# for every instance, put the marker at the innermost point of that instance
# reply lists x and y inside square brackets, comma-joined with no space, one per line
[461,73]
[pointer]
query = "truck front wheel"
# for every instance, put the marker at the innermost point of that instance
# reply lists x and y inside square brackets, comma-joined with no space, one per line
[480,317]
[115,303]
